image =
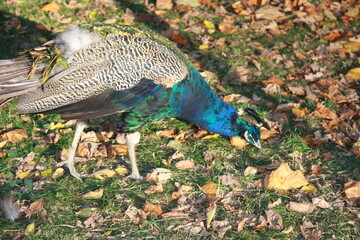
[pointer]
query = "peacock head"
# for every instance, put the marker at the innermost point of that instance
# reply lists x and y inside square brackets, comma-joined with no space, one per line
[250,129]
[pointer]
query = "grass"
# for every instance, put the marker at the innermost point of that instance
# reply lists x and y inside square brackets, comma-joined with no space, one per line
[61,195]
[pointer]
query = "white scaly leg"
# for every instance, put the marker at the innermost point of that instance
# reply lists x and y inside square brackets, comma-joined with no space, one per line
[132,139]
[69,162]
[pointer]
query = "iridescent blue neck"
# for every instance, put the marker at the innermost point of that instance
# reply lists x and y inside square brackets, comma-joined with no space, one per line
[200,105]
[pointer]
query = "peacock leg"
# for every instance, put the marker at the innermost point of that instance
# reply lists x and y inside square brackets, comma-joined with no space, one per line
[69,162]
[132,139]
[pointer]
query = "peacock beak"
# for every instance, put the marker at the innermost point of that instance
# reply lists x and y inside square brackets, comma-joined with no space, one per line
[257,144]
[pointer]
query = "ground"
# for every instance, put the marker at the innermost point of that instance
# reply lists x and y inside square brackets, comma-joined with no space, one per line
[295,62]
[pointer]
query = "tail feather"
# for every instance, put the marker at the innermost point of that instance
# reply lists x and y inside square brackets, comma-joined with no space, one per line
[14,80]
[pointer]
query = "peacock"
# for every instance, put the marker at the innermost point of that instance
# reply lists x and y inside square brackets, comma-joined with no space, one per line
[94,70]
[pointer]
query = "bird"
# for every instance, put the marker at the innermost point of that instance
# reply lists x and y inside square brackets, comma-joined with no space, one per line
[93,70]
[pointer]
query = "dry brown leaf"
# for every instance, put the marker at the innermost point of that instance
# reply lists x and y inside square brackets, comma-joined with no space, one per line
[94,194]
[276,203]
[323,112]
[242,224]
[310,231]
[266,134]
[119,149]
[251,171]
[271,88]
[180,39]
[185,164]
[262,224]
[155,189]
[274,219]
[152,208]
[183,189]
[238,142]
[51,7]
[352,190]
[334,35]
[320,202]
[316,170]
[158,175]
[229,180]
[15,136]
[164,4]
[301,207]
[35,207]
[273,80]
[299,112]
[284,178]
[175,214]
[269,13]
[227,25]
[210,189]
[210,214]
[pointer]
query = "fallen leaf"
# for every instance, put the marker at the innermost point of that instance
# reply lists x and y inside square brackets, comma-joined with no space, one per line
[310,231]
[229,180]
[85,212]
[164,4]
[104,173]
[121,171]
[310,189]
[15,136]
[269,13]
[352,46]
[185,164]
[175,214]
[221,227]
[320,202]
[152,208]
[180,39]
[210,214]
[210,189]
[51,7]
[276,203]
[3,143]
[58,173]
[284,178]
[242,224]
[352,190]
[155,189]
[301,207]
[250,171]
[158,175]
[119,149]
[266,134]
[94,194]
[288,230]
[271,88]
[274,219]
[323,112]
[227,25]
[354,73]
[23,175]
[183,189]
[34,208]
[262,224]
[273,80]
[334,35]
[46,173]
[30,229]
[238,142]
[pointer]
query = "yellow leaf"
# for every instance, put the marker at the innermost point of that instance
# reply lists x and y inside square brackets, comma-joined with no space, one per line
[51,7]
[92,15]
[209,25]
[104,173]
[30,229]
[54,126]
[3,143]
[238,142]
[284,178]
[46,173]
[309,189]
[85,212]
[210,189]
[352,46]
[210,214]
[354,73]
[23,175]
[211,136]
[121,171]
[58,173]
[42,39]
[94,194]
[202,47]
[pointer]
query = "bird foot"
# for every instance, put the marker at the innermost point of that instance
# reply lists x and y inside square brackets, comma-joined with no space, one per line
[70,165]
[135,176]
